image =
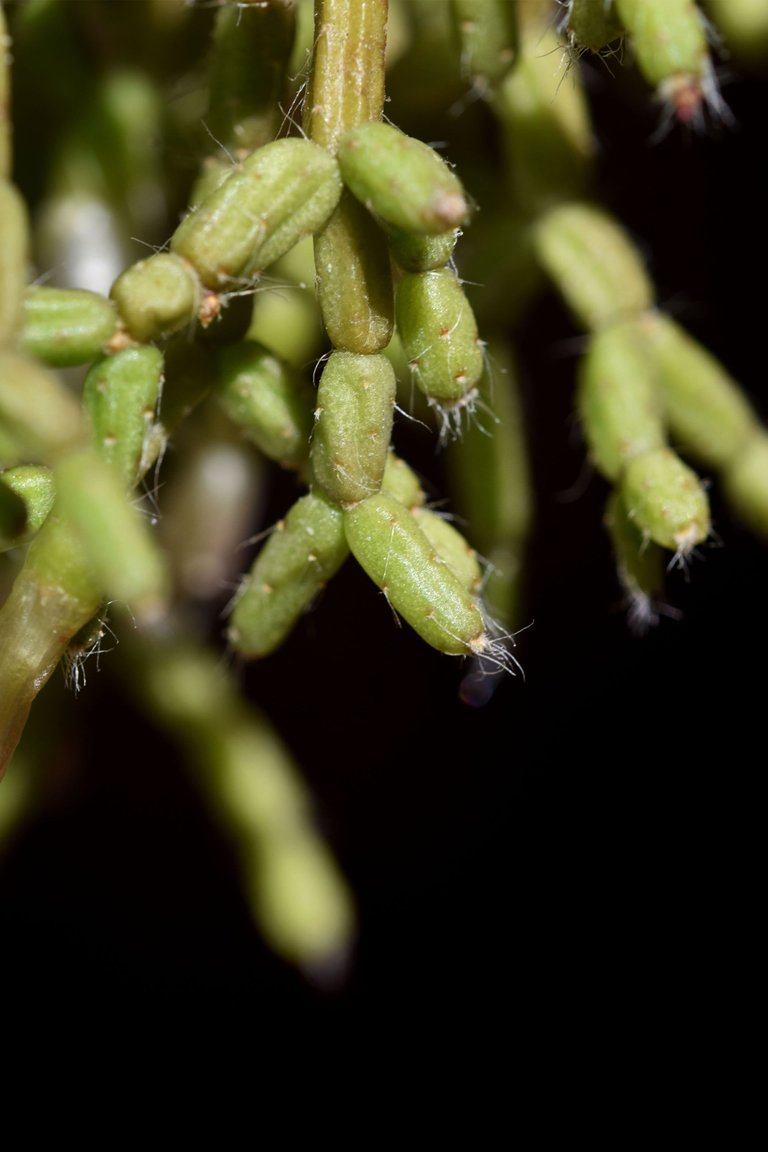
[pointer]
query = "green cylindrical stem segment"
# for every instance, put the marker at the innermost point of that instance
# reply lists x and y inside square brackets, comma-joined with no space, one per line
[14,257]
[401,481]
[640,564]
[191,369]
[304,551]
[618,402]
[270,401]
[451,547]
[120,395]
[121,553]
[121,125]
[39,415]
[251,47]
[66,326]
[346,85]
[486,33]
[745,484]
[402,180]
[439,334]
[743,26]
[53,597]
[281,193]
[665,500]
[592,24]
[415,252]
[491,479]
[546,127]
[157,296]
[705,409]
[593,264]
[388,543]
[354,279]
[490,465]
[668,38]
[32,491]
[354,413]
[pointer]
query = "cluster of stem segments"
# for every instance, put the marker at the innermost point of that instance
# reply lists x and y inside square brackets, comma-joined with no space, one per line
[183,345]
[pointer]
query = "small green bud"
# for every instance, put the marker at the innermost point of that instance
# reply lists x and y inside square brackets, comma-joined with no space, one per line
[593,264]
[270,401]
[303,552]
[355,409]
[665,500]
[66,326]
[157,296]
[439,335]
[401,180]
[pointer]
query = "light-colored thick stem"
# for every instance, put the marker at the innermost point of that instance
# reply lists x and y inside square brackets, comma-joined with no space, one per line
[347,84]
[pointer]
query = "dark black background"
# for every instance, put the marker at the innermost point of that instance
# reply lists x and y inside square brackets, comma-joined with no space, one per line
[579,855]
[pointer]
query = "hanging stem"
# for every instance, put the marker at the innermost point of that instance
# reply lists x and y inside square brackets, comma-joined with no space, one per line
[347,83]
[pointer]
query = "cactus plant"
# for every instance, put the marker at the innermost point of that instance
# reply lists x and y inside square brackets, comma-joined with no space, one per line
[304,387]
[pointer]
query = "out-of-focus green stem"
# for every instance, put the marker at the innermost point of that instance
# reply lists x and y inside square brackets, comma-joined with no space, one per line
[13,258]
[252,43]
[491,476]
[53,597]
[298,895]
